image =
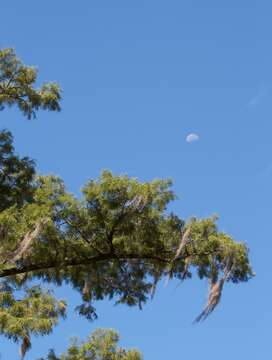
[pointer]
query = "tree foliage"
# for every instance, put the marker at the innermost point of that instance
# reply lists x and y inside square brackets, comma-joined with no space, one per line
[117,241]
[34,314]
[101,345]
[16,174]
[17,86]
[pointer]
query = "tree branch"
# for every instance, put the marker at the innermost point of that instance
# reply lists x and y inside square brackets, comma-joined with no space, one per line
[11,271]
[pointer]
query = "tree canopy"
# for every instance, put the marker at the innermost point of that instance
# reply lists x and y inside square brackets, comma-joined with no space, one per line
[116,241]
[16,174]
[35,314]
[17,86]
[101,345]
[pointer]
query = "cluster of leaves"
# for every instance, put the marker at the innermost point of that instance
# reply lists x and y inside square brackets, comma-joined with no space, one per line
[17,86]
[116,242]
[16,175]
[35,313]
[101,345]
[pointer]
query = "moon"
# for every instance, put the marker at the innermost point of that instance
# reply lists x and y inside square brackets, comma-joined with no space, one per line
[192,137]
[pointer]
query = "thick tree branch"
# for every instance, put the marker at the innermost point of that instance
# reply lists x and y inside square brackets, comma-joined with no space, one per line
[166,259]
[14,270]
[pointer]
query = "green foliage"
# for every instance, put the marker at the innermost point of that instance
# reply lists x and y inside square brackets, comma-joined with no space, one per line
[116,242]
[34,314]
[17,87]
[101,345]
[16,175]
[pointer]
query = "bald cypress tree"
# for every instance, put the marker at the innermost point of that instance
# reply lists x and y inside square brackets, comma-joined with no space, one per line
[117,241]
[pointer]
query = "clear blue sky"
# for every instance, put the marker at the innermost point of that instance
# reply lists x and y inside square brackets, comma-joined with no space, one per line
[138,76]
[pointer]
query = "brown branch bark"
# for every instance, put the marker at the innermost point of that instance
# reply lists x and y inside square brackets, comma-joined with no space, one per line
[12,271]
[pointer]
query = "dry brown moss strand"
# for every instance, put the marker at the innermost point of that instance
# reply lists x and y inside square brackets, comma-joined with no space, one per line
[27,241]
[25,346]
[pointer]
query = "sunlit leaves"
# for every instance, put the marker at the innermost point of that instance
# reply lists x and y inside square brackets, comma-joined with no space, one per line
[17,87]
[35,313]
[116,242]
[102,344]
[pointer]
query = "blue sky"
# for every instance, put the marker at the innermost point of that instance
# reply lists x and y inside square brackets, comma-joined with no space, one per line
[137,78]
